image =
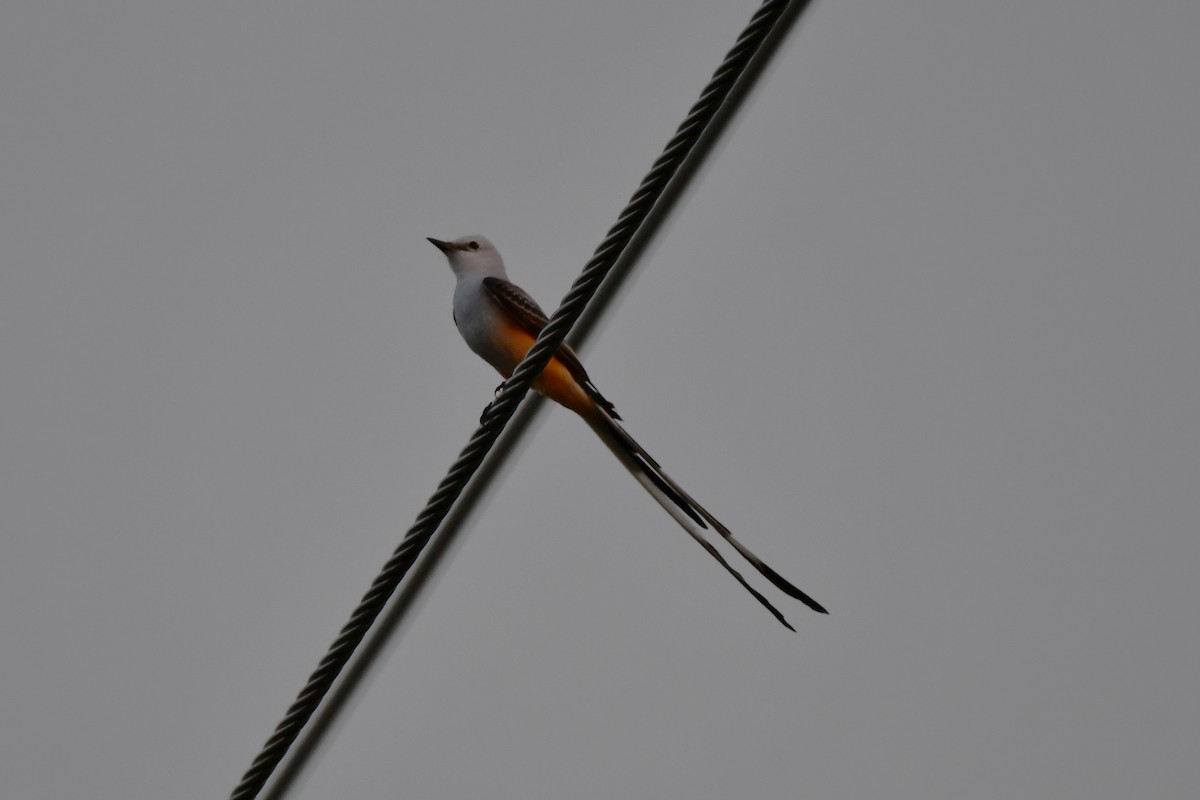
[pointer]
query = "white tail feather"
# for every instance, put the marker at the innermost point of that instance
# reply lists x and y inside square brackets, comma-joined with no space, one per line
[690,515]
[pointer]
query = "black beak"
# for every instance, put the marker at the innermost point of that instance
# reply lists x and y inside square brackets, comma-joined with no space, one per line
[445,247]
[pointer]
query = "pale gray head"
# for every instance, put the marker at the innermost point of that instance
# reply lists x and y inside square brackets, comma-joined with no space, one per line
[471,255]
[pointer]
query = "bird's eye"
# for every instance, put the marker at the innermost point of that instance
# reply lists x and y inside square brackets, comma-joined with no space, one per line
[473,245]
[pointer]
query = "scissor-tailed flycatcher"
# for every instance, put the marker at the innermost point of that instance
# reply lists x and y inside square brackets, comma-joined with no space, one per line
[500,323]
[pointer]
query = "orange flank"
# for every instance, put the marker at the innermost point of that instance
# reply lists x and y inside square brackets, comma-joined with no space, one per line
[556,381]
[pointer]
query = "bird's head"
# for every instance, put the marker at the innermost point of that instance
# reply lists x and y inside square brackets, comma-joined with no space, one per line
[471,255]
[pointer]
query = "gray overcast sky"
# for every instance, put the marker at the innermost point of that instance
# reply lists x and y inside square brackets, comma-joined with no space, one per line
[924,334]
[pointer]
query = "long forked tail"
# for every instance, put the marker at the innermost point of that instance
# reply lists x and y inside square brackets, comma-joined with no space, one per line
[690,515]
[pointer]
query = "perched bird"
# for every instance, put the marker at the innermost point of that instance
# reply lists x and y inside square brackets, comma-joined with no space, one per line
[500,322]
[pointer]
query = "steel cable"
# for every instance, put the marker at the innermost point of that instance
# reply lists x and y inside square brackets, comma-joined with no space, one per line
[606,256]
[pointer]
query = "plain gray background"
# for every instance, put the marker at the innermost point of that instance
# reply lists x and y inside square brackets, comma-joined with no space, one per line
[924,334]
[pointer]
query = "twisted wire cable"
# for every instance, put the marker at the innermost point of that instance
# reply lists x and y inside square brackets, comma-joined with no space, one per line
[514,389]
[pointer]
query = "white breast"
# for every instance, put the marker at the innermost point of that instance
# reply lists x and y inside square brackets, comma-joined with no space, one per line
[481,322]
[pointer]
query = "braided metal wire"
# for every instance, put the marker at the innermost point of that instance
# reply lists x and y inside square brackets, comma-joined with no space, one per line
[515,388]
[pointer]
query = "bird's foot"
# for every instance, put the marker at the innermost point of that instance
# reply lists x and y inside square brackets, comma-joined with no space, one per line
[488,408]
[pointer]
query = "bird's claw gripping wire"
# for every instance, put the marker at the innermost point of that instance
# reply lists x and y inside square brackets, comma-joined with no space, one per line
[488,408]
